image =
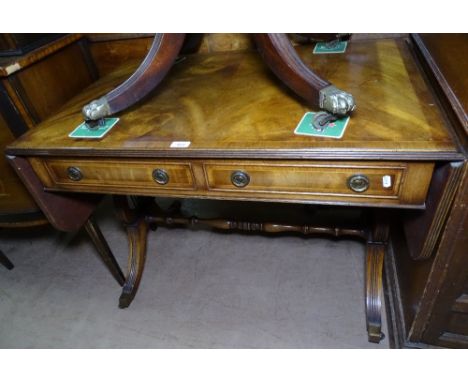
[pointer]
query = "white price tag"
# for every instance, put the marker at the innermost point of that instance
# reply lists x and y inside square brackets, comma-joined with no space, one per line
[180,144]
[387,181]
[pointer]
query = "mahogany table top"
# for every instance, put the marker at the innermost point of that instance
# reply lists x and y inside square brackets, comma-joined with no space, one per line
[230,105]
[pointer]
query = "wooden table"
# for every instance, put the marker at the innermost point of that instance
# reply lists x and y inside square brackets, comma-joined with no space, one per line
[237,123]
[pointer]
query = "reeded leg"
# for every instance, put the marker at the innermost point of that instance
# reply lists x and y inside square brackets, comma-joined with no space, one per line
[374,266]
[5,261]
[137,230]
[137,234]
[104,251]
[376,247]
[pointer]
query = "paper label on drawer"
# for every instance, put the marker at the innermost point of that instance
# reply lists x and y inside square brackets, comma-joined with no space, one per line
[330,47]
[387,181]
[180,144]
[334,129]
[83,131]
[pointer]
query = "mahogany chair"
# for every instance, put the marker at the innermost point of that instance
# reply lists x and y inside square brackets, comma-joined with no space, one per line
[276,49]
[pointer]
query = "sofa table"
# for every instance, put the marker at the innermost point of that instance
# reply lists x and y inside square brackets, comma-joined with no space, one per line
[221,126]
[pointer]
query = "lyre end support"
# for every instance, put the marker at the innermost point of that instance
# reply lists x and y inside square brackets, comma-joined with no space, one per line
[96,109]
[336,101]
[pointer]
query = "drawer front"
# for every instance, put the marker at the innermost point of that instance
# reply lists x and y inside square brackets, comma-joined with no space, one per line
[390,181]
[340,183]
[118,175]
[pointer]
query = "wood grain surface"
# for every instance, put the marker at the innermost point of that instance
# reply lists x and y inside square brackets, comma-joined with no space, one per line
[47,84]
[14,199]
[33,87]
[10,65]
[283,181]
[230,105]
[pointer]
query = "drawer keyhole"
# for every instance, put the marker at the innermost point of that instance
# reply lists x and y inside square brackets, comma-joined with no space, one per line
[358,183]
[160,176]
[74,173]
[240,178]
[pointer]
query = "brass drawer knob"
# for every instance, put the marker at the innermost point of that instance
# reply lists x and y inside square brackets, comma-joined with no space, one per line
[358,183]
[240,178]
[74,173]
[160,176]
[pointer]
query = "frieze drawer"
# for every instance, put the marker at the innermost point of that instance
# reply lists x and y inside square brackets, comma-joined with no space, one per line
[121,175]
[394,182]
[402,184]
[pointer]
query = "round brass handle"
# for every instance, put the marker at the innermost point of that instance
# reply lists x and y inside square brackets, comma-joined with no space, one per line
[358,183]
[160,176]
[74,173]
[240,178]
